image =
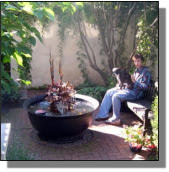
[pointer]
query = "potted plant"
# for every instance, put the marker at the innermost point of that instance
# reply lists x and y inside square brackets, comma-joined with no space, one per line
[134,136]
[149,142]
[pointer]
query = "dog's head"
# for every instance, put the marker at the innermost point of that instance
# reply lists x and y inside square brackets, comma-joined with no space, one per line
[116,71]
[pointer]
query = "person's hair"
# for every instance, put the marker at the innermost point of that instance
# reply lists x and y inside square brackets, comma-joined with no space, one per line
[138,56]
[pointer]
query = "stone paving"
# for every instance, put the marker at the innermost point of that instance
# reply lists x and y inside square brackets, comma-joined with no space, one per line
[107,142]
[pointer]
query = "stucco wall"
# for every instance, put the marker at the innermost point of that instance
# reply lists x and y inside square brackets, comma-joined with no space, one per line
[40,59]
[40,69]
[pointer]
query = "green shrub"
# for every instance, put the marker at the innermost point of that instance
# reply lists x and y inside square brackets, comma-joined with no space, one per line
[13,96]
[111,82]
[9,88]
[154,123]
[85,85]
[95,92]
[9,93]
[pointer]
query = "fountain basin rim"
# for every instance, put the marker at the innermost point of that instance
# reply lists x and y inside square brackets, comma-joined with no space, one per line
[92,100]
[94,104]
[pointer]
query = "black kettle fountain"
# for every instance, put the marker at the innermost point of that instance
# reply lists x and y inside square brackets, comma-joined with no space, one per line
[60,112]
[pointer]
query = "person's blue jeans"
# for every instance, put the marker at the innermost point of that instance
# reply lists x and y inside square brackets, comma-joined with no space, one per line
[114,97]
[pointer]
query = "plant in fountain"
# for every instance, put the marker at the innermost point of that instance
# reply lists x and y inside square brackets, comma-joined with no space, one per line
[60,94]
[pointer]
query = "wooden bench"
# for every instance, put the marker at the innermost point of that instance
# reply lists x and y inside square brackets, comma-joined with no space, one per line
[142,107]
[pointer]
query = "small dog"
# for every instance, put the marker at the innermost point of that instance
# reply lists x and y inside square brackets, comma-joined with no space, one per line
[123,78]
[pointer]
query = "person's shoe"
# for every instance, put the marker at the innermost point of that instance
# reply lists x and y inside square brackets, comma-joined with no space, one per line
[113,122]
[101,118]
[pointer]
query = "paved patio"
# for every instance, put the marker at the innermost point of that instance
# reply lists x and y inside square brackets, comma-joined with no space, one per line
[106,143]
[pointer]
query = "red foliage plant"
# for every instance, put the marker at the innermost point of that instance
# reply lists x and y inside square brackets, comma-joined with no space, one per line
[59,92]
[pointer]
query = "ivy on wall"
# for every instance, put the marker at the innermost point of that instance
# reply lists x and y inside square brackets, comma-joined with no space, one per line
[147,34]
[112,19]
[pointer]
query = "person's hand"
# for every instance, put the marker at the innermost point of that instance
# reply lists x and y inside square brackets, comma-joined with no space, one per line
[133,78]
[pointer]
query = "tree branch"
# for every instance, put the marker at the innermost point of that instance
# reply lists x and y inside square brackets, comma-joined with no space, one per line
[88,47]
[107,51]
[154,22]
[131,10]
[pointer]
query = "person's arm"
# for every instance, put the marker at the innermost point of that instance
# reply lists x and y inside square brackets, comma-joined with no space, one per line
[133,78]
[144,80]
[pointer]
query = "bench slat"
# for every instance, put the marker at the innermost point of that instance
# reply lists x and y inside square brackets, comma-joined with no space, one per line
[139,107]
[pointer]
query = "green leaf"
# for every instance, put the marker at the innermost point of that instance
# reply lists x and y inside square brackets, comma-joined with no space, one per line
[6,59]
[79,4]
[32,40]
[37,33]
[18,59]
[26,82]
[73,10]
[5,86]
[24,49]
[50,14]
[38,13]
[28,8]
[11,7]
[4,74]
[8,86]
[27,55]
[116,7]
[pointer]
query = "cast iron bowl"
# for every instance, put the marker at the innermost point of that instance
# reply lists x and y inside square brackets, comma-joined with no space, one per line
[60,126]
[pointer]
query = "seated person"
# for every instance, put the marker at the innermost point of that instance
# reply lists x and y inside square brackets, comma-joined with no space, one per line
[114,96]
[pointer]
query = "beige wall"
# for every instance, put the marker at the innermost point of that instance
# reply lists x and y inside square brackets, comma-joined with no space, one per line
[40,58]
[40,70]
